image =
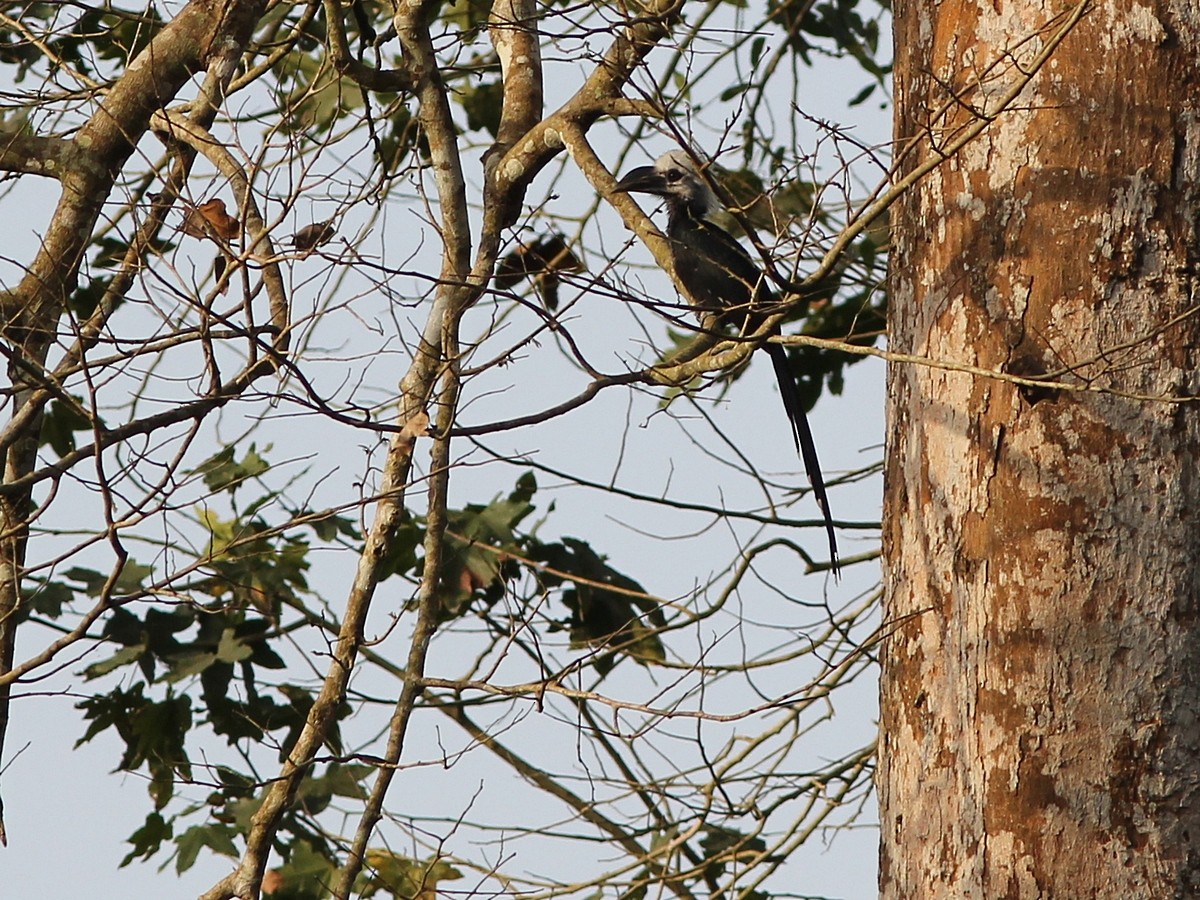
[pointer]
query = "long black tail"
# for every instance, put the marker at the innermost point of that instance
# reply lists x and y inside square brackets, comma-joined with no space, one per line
[804,440]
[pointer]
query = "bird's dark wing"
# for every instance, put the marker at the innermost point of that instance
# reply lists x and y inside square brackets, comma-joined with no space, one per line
[720,275]
[803,436]
[716,270]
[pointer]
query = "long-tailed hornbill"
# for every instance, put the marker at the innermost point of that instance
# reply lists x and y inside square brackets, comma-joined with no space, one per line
[721,279]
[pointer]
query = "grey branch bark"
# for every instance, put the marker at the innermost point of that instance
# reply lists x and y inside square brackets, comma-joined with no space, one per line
[33,154]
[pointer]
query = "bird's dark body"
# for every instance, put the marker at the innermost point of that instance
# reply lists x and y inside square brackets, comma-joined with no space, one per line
[714,268]
[722,279]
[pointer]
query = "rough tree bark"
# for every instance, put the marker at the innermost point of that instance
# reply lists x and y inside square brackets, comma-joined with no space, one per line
[1040,711]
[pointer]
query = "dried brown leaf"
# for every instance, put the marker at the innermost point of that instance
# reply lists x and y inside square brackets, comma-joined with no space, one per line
[210,219]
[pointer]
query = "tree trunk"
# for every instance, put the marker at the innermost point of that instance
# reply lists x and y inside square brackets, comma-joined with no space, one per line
[1040,705]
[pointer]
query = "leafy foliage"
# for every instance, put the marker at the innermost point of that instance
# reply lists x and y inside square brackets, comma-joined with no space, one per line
[608,610]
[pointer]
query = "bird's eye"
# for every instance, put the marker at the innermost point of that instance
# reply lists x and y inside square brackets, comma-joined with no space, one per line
[673,175]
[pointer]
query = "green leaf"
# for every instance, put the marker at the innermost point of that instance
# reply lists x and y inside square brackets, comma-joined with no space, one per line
[132,577]
[621,621]
[154,735]
[122,657]
[725,845]
[402,877]
[347,780]
[331,527]
[215,837]
[262,655]
[314,795]
[91,580]
[130,580]
[49,598]
[401,555]
[126,34]
[482,105]
[320,98]
[222,473]
[232,650]
[86,298]
[306,874]
[159,730]
[188,663]
[756,51]
[111,710]
[220,531]
[148,839]
[733,91]
[59,425]
[468,17]
[862,95]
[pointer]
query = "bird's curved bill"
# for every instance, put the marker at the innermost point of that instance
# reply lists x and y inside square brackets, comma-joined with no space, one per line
[644,179]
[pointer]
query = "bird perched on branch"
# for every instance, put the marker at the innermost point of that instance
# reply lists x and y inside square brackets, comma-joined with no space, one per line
[724,282]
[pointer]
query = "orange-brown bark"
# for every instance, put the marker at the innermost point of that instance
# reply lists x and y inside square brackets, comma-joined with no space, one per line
[1040,714]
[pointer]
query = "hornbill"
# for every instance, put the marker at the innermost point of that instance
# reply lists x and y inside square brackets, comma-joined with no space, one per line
[722,279]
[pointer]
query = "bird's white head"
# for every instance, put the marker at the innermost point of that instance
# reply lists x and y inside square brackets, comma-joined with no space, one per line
[675,177]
